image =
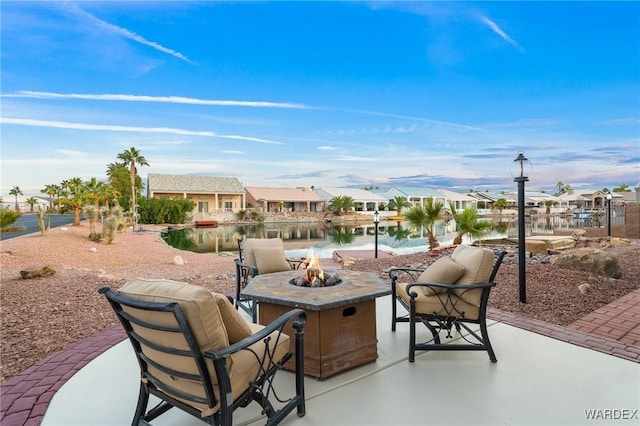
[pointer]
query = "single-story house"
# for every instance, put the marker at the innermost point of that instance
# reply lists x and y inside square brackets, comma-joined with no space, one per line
[363,200]
[212,194]
[264,199]
[414,194]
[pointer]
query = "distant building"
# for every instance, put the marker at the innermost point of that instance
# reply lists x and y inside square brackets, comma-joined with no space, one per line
[264,199]
[211,194]
[363,200]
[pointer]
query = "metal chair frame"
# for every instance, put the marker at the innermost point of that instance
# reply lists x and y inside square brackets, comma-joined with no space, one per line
[453,317]
[244,273]
[259,389]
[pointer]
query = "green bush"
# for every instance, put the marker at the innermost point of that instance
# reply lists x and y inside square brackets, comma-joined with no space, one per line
[8,217]
[164,210]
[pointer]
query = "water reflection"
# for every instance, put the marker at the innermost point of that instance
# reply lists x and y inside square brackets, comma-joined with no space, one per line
[324,238]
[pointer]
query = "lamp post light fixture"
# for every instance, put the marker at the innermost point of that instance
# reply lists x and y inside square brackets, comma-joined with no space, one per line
[376,221]
[609,197]
[521,179]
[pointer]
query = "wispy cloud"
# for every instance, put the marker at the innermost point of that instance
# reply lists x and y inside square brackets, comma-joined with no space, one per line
[232,152]
[101,127]
[116,128]
[496,29]
[158,99]
[78,11]
[250,139]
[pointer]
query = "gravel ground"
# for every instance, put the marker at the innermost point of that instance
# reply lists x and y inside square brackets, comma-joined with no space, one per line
[42,316]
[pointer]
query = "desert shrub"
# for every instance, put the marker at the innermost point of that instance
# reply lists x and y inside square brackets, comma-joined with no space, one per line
[164,210]
[8,217]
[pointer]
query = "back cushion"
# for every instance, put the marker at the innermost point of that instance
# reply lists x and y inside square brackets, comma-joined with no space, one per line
[442,271]
[477,263]
[270,260]
[237,327]
[197,303]
[250,244]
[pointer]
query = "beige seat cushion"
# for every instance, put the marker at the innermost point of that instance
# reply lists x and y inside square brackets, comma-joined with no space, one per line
[207,320]
[269,260]
[249,244]
[443,271]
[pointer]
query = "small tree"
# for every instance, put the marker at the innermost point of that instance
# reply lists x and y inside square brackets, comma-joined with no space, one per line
[15,191]
[500,204]
[398,203]
[426,216]
[467,223]
[32,201]
[340,203]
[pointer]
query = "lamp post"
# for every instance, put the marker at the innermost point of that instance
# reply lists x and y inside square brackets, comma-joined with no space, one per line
[609,197]
[376,220]
[521,179]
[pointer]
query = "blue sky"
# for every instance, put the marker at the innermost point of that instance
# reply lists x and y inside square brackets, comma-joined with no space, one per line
[285,94]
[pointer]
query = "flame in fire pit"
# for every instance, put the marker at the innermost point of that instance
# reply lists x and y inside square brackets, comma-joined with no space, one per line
[314,276]
[313,267]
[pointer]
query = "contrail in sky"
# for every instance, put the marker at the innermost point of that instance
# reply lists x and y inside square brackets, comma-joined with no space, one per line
[126,33]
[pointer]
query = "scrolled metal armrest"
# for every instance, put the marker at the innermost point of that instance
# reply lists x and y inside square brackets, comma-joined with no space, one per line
[394,273]
[413,294]
[252,268]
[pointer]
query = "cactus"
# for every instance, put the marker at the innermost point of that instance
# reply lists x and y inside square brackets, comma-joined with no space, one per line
[43,228]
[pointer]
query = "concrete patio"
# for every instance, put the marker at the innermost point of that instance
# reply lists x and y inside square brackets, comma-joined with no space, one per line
[538,380]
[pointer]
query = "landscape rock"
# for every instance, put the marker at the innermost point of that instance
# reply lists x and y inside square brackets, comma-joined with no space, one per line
[591,260]
[37,271]
[584,288]
[619,242]
[177,260]
[536,247]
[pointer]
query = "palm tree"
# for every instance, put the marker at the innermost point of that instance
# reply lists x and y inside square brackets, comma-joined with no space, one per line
[95,195]
[131,157]
[398,203]
[118,175]
[467,223]
[549,204]
[340,203]
[16,191]
[32,201]
[426,215]
[500,204]
[51,190]
[74,193]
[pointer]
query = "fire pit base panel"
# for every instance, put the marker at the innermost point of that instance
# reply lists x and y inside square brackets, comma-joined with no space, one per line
[335,339]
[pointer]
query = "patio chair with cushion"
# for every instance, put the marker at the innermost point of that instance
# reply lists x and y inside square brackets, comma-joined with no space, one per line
[197,353]
[258,256]
[452,293]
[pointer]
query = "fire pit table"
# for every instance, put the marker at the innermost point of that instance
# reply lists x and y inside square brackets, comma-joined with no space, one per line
[341,319]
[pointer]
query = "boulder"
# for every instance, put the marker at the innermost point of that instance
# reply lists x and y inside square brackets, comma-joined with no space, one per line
[584,288]
[591,260]
[619,242]
[37,271]
[536,246]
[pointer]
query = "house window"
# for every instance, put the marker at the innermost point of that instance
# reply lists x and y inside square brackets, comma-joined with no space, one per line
[228,206]
[203,207]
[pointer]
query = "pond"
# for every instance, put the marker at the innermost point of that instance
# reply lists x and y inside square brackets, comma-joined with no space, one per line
[399,238]
[324,238]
